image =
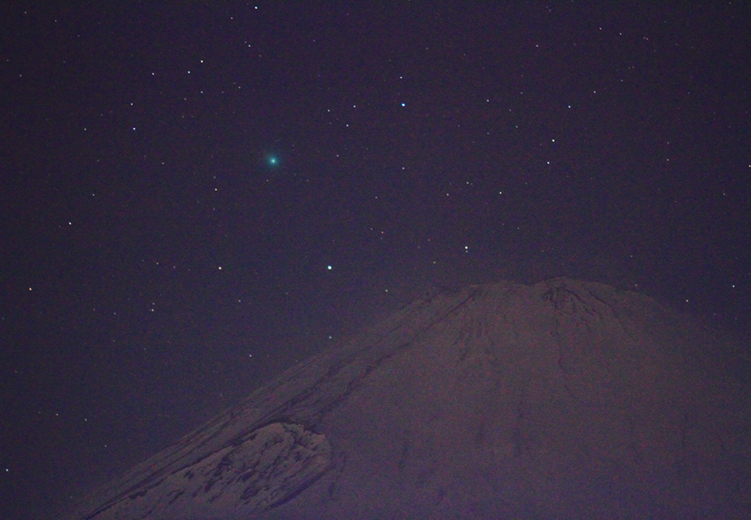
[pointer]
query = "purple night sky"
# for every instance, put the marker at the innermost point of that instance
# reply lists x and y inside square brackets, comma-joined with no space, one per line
[196,196]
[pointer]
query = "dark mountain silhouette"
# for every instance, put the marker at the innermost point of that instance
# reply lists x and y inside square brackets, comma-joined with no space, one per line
[564,399]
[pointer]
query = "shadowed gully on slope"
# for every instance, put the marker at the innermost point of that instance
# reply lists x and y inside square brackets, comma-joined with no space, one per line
[564,399]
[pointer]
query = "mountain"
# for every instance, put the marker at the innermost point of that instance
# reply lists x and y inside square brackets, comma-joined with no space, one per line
[563,399]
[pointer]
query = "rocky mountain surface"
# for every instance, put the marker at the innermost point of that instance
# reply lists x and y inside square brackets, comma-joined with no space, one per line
[564,399]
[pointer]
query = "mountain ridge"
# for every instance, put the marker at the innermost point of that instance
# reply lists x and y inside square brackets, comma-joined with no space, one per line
[503,385]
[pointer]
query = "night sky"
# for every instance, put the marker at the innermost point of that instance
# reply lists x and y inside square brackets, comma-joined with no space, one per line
[196,197]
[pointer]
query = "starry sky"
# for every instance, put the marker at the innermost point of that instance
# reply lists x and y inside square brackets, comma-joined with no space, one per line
[195,196]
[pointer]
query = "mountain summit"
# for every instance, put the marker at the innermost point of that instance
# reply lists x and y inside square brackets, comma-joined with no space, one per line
[563,399]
